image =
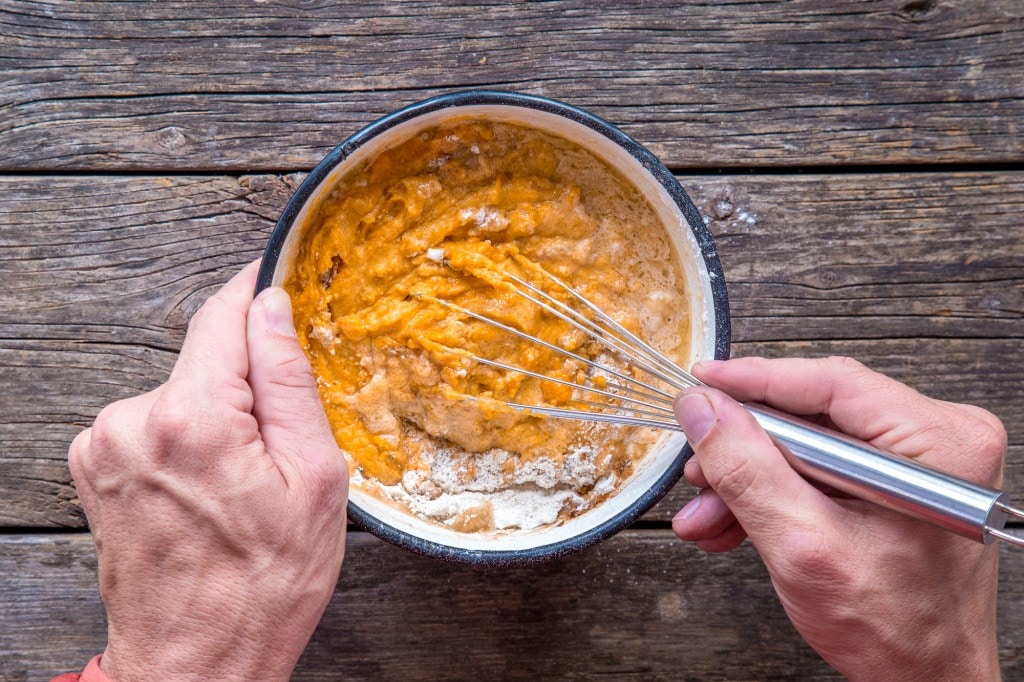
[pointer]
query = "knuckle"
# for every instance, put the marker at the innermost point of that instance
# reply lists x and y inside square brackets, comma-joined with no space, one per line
[78,454]
[101,448]
[327,480]
[109,426]
[207,314]
[731,477]
[170,419]
[293,371]
[179,423]
[210,308]
[105,421]
[984,442]
[994,438]
[844,365]
[844,362]
[998,441]
[201,313]
[854,376]
[811,559]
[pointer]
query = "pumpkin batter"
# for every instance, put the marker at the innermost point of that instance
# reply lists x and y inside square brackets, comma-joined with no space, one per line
[437,219]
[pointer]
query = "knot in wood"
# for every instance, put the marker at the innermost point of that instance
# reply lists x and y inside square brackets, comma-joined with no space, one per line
[171,137]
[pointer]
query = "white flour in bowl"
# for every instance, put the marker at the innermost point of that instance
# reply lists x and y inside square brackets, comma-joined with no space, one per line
[494,490]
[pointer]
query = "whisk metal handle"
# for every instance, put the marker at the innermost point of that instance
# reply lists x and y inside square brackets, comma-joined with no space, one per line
[902,484]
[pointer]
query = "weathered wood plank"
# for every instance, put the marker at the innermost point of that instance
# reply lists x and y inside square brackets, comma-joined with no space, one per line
[919,275]
[640,606]
[189,86]
[870,256]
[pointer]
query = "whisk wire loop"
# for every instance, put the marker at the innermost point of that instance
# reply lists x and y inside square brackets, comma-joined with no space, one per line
[550,346]
[661,413]
[687,379]
[616,418]
[654,365]
[570,384]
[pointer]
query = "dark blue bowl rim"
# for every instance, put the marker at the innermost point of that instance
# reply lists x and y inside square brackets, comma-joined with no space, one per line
[658,170]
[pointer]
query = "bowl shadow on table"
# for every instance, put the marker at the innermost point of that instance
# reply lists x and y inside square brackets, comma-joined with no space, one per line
[641,605]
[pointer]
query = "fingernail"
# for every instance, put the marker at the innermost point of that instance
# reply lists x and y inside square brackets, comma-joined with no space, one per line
[696,415]
[691,469]
[704,365]
[277,311]
[690,509]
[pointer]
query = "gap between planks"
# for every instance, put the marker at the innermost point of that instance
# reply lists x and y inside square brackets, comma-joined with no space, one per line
[724,171]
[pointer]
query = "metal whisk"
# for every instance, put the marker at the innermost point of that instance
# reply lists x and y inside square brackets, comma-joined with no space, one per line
[844,463]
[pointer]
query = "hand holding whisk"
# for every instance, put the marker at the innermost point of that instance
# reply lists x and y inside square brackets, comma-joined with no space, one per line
[637,396]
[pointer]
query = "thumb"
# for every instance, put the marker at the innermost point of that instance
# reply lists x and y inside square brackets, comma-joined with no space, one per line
[286,404]
[746,469]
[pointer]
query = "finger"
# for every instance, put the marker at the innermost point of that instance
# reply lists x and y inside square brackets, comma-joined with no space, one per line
[213,359]
[858,400]
[728,540]
[703,517]
[742,465]
[285,399]
[694,474]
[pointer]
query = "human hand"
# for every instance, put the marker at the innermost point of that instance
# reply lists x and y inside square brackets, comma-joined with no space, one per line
[217,502]
[878,595]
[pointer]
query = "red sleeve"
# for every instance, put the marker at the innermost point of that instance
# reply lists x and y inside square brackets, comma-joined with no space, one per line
[92,673]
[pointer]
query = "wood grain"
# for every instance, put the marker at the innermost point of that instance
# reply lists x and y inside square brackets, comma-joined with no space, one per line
[919,275]
[242,87]
[142,110]
[640,606]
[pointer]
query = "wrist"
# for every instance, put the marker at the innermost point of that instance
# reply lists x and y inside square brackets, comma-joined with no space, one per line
[935,653]
[963,666]
[200,660]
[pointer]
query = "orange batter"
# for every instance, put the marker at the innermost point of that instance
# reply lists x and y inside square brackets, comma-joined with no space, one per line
[438,218]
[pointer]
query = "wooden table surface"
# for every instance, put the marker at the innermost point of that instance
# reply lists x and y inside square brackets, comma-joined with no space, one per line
[861,165]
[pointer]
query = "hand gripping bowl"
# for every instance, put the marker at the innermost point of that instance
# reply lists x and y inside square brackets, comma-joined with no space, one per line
[659,470]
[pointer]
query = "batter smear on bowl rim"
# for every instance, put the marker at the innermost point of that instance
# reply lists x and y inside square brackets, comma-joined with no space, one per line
[439,217]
